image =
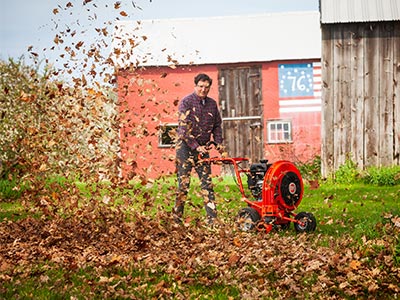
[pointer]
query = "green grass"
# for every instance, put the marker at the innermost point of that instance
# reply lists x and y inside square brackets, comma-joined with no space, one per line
[10,189]
[51,282]
[354,210]
[12,211]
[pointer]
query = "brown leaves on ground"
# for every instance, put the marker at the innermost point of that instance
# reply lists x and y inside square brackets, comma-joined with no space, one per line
[259,265]
[55,129]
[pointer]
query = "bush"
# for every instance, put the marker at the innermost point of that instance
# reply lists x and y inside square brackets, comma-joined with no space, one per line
[382,176]
[310,170]
[347,173]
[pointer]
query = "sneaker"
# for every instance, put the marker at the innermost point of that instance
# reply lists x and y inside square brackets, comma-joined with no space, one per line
[177,219]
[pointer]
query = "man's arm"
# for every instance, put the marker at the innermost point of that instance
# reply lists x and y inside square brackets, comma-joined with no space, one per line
[185,125]
[217,130]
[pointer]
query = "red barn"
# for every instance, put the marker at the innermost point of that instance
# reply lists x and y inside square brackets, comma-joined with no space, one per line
[266,74]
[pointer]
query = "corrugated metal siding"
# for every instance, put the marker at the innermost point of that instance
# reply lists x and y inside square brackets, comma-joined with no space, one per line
[346,11]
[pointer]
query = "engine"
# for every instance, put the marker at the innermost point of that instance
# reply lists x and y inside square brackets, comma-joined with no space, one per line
[255,178]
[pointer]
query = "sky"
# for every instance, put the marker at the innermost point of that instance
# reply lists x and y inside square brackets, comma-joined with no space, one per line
[25,23]
[63,34]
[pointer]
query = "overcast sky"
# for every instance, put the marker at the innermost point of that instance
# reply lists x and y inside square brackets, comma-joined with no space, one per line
[25,23]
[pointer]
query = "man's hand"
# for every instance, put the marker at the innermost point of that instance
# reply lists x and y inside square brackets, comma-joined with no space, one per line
[220,148]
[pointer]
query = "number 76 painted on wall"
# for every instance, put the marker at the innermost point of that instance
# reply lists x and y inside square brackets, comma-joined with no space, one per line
[295,80]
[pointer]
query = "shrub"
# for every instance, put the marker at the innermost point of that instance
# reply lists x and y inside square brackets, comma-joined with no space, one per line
[310,170]
[347,173]
[382,176]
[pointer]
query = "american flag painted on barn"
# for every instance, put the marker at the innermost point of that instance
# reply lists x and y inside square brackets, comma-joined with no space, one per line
[299,87]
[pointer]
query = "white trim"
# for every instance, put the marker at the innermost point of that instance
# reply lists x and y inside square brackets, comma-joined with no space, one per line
[282,131]
[160,133]
[300,109]
[299,102]
[241,118]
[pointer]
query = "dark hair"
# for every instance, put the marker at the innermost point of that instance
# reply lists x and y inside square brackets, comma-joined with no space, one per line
[202,77]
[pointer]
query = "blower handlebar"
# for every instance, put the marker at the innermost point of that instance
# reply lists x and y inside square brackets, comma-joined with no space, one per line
[223,158]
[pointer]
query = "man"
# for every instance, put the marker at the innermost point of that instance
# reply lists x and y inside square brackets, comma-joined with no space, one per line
[199,120]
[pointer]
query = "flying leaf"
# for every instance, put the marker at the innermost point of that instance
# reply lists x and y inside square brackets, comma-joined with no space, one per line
[79,45]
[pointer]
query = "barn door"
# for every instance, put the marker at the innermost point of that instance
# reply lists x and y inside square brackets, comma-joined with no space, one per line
[241,109]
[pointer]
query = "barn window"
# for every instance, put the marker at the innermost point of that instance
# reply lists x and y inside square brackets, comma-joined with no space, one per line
[279,131]
[167,135]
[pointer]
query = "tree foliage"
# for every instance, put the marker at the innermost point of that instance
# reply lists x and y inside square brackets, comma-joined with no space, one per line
[51,128]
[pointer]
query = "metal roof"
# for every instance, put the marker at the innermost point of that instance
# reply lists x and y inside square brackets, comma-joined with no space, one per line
[216,40]
[346,11]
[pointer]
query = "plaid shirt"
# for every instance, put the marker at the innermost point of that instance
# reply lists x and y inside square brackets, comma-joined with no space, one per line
[197,121]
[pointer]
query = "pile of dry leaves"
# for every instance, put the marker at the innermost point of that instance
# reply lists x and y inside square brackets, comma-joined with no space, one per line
[259,265]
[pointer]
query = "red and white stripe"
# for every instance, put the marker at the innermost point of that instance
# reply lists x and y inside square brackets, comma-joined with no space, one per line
[305,104]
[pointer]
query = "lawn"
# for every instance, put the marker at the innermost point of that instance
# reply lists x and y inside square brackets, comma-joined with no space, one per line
[120,242]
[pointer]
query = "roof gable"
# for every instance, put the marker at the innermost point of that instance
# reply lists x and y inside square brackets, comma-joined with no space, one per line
[216,40]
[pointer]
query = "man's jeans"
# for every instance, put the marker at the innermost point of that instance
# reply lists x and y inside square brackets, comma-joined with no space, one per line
[186,160]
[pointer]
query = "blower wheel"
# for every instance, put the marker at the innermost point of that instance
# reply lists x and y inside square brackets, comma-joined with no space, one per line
[308,220]
[247,219]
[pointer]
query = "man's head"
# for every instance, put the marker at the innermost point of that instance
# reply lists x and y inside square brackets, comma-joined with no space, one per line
[202,85]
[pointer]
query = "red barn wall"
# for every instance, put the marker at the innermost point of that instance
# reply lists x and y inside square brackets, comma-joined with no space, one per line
[306,126]
[149,97]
